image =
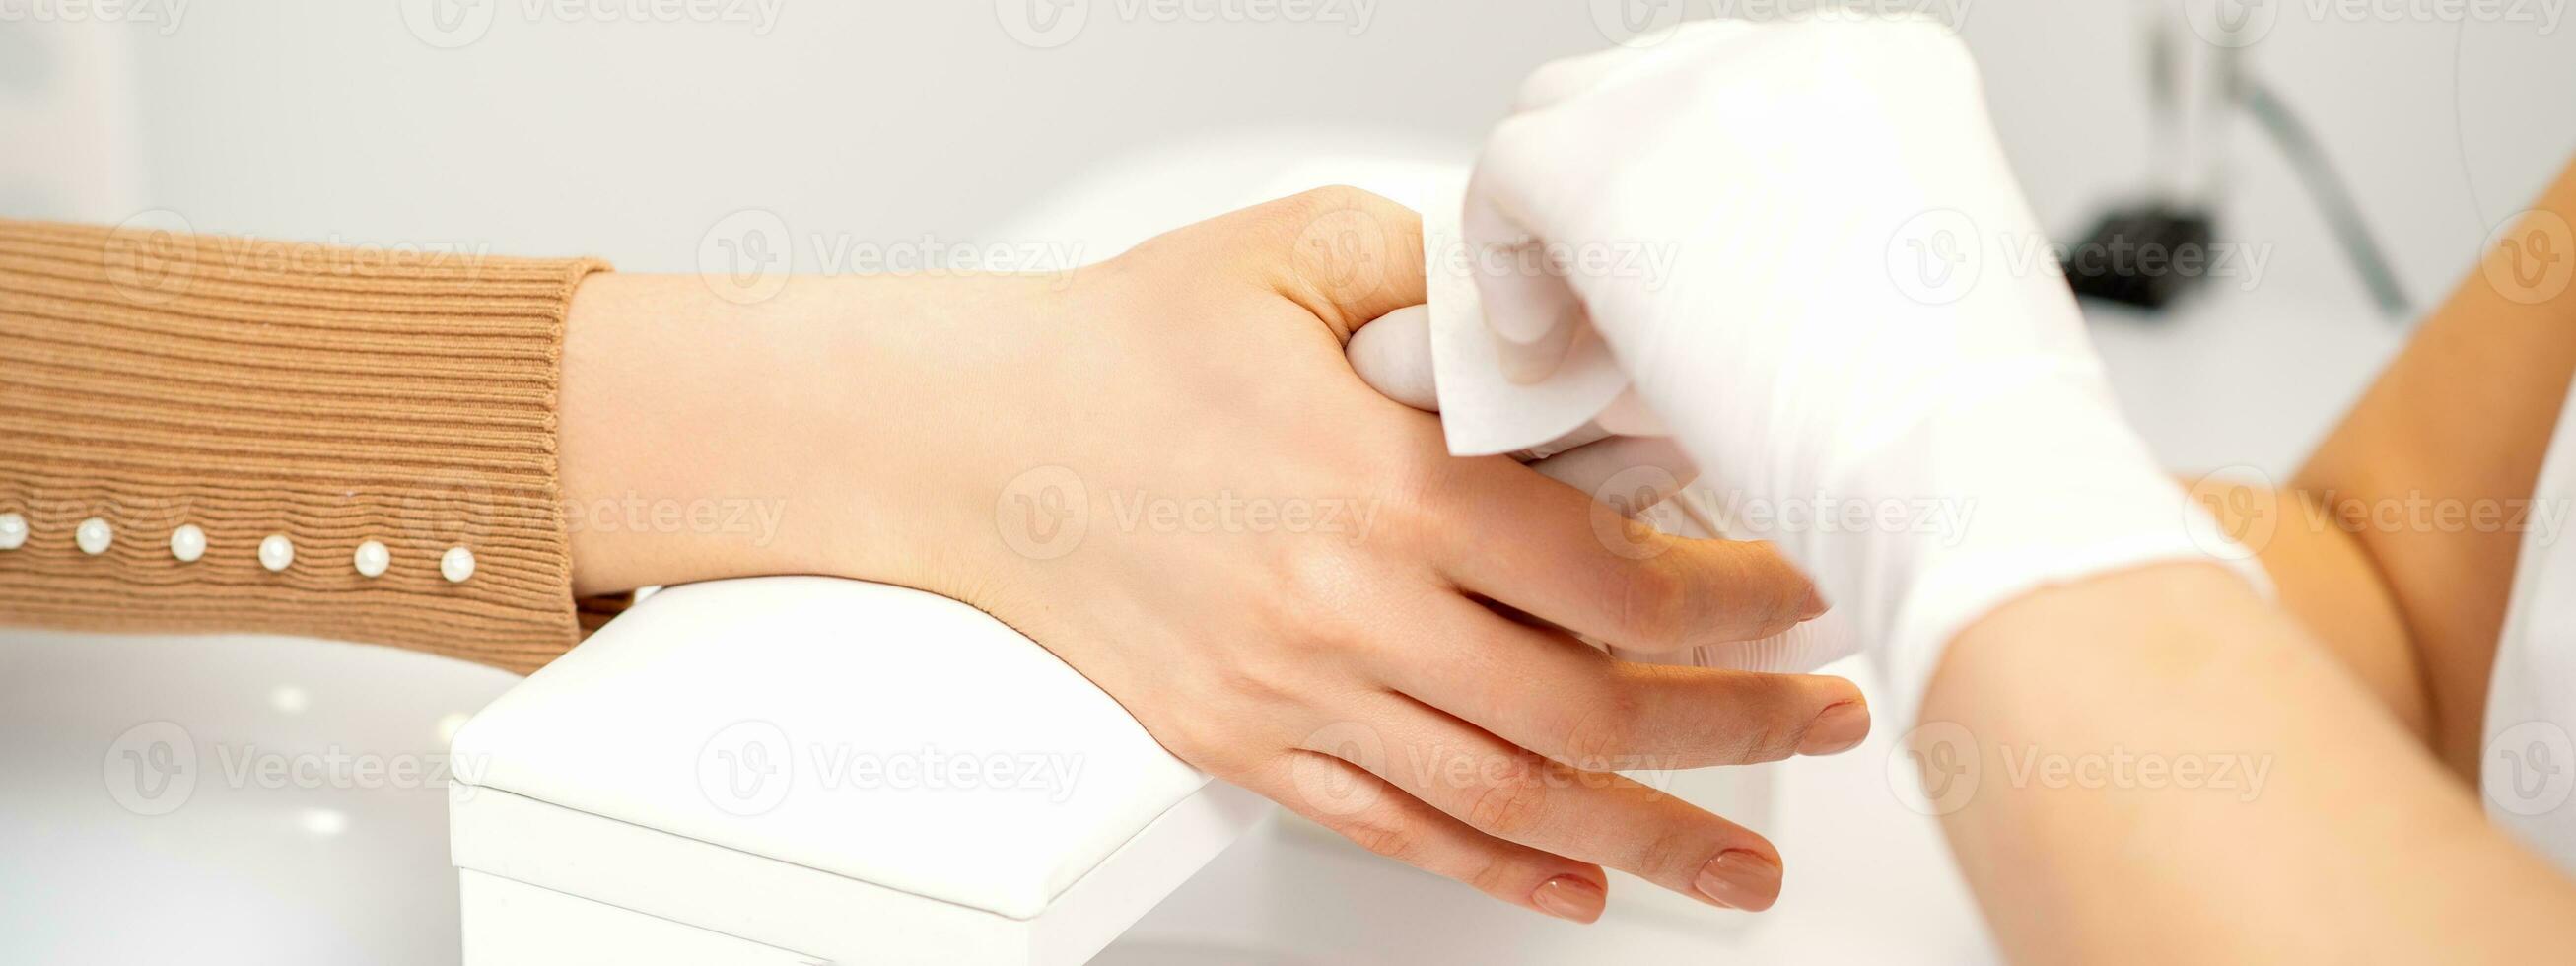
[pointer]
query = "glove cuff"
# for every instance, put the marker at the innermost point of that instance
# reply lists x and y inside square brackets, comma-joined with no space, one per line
[2026,481]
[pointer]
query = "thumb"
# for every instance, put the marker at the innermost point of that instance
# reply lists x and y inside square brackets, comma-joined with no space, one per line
[1532,314]
[1346,255]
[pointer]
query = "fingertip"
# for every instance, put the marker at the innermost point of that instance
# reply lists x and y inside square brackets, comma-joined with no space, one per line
[1533,361]
[1814,606]
[1572,898]
[1758,592]
[1838,728]
[1740,879]
[1393,355]
[1530,313]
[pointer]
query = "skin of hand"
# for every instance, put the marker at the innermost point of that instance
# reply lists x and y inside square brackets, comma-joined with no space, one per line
[1162,468]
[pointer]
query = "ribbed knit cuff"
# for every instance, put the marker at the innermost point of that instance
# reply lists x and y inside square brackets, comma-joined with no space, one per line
[254,388]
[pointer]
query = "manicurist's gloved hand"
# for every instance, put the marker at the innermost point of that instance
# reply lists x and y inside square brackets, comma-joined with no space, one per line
[1861,339]
[1162,468]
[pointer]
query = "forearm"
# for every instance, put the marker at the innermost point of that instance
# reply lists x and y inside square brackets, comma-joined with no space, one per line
[2324,578]
[704,439]
[2313,830]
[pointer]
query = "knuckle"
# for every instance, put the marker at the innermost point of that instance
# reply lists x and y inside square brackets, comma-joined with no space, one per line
[1497,876]
[1511,807]
[1342,197]
[1327,602]
[1671,854]
[1747,592]
[1654,605]
[1253,674]
[1767,738]
[1385,838]
[1606,732]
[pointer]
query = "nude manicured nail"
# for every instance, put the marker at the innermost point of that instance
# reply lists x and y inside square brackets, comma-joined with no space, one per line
[1814,606]
[1567,897]
[1739,879]
[1836,729]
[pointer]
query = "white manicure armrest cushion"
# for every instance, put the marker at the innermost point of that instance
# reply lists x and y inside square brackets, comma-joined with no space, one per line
[837,769]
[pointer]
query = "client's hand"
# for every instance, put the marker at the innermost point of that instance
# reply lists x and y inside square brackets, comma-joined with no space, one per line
[1162,468]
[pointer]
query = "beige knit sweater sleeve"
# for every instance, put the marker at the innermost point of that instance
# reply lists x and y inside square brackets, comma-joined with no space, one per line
[157,387]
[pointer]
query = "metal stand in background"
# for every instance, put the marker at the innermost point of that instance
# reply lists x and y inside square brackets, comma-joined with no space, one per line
[2150,253]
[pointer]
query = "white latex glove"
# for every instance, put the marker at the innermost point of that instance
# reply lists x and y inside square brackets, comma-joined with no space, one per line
[1862,341]
[1393,355]
[1629,472]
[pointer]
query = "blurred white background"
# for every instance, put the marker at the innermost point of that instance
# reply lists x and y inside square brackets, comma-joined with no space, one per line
[625,128]
[630,128]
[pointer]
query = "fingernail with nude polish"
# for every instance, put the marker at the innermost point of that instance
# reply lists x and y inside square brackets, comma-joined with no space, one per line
[1567,897]
[1814,606]
[1739,879]
[1836,729]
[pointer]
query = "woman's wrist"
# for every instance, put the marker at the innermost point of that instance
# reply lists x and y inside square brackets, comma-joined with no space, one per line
[699,438]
